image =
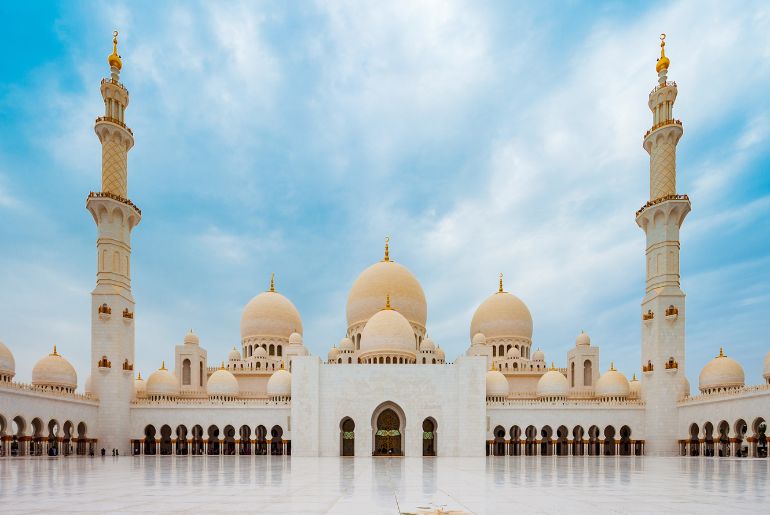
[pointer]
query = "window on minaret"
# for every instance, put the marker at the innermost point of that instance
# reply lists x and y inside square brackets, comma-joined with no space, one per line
[200,375]
[572,374]
[587,373]
[186,372]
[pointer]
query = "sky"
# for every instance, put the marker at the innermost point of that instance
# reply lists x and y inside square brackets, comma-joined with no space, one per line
[292,137]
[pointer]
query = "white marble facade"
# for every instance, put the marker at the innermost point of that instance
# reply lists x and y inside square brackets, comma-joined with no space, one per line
[386,387]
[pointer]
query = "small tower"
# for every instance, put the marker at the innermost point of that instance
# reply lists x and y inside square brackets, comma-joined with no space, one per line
[112,304]
[662,316]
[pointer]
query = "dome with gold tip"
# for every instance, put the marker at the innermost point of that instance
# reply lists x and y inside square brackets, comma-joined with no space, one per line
[502,315]
[54,371]
[270,314]
[721,373]
[386,278]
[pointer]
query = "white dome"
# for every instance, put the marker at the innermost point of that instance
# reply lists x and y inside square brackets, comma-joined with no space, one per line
[427,345]
[191,338]
[140,387]
[766,373]
[479,339]
[295,339]
[514,352]
[279,384]
[270,314]
[612,384]
[234,355]
[260,352]
[538,355]
[635,388]
[502,315]
[381,279]
[334,352]
[583,340]
[552,384]
[222,382]
[7,363]
[346,344]
[440,354]
[685,391]
[721,372]
[55,371]
[162,382]
[387,330]
[497,384]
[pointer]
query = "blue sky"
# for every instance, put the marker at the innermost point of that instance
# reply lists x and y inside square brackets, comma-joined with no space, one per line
[292,137]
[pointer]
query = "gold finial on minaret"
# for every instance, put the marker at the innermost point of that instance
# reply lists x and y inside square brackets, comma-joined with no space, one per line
[663,62]
[54,353]
[500,288]
[162,365]
[272,282]
[387,249]
[114,59]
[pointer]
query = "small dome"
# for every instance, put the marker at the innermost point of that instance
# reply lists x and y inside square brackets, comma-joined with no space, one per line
[386,278]
[387,330]
[260,352]
[222,382]
[612,384]
[766,373]
[270,314]
[234,355]
[502,315]
[162,382]
[440,354]
[191,338]
[479,339]
[346,344]
[334,352]
[295,339]
[140,387]
[7,363]
[635,388]
[54,371]
[427,345]
[87,386]
[538,355]
[721,372]
[582,340]
[497,384]
[552,384]
[279,384]
[685,391]
[514,352]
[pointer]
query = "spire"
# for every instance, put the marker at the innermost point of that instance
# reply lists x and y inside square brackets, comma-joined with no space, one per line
[272,282]
[663,61]
[553,367]
[162,365]
[500,288]
[387,302]
[222,366]
[114,59]
[634,377]
[387,249]
[721,352]
[54,353]
[612,365]
[139,376]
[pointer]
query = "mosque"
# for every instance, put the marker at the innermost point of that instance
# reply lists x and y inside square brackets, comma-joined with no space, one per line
[386,389]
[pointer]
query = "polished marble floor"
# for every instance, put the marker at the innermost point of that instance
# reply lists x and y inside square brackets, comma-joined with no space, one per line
[385,485]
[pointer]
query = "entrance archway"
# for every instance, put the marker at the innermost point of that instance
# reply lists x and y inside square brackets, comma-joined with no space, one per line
[429,437]
[347,437]
[388,430]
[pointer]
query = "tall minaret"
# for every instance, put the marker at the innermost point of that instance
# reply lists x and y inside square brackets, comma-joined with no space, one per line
[112,304]
[663,313]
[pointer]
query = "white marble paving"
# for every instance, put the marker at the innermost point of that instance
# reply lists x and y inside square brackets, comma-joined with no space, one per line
[385,485]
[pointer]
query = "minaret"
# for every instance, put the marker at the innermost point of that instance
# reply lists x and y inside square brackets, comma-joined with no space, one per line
[663,311]
[112,304]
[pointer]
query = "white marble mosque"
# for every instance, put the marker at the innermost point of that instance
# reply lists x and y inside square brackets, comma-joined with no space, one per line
[386,388]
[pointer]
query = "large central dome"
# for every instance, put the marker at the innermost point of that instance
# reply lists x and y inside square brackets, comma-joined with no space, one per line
[502,315]
[270,314]
[379,280]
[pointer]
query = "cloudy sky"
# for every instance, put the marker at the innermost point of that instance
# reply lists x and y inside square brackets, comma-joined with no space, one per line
[292,137]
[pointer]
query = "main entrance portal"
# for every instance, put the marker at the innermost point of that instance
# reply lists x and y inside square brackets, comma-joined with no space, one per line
[387,438]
